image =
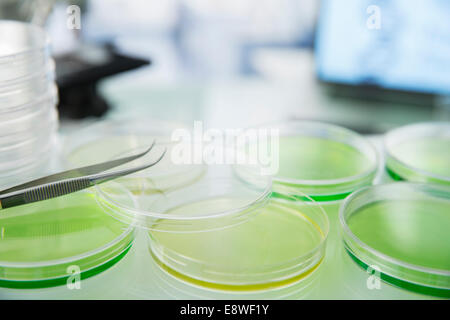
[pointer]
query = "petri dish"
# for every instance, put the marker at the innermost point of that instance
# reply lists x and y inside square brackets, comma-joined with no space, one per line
[29,168]
[324,161]
[28,95]
[224,233]
[401,230]
[161,285]
[25,49]
[419,153]
[43,243]
[21,130]
[44,113]
[17,94]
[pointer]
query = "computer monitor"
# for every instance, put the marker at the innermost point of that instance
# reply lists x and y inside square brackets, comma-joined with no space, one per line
[401,45]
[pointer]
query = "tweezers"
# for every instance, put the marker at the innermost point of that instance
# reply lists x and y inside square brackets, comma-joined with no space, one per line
[70,181]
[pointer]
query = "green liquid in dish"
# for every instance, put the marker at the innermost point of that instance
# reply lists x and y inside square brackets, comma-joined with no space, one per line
[276,235]
[415,232]
[38,240]
[311,158]
[428,154]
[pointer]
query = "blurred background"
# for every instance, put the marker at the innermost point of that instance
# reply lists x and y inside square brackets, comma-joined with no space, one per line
[369,65]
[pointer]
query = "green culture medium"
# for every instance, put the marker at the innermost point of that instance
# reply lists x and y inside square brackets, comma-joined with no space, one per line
[229,234]
[403,230]
[41,241]
[245,257]
[311,158]
[324,161]
[419,152]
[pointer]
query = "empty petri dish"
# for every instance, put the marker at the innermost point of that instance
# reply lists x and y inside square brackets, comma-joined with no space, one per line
[44,243]
[228,234]
[419,153]
[401,231]
[324,161]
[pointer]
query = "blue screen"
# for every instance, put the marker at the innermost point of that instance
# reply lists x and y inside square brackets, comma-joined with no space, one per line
[394,44]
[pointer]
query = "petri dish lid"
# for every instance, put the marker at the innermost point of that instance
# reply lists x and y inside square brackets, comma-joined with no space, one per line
[224,232]
[45,73]
[23,50]
[401,230]
[29,146]
[24,103]
[24,160]
[42,241]
[324,161]
[218,184]
[30,168]
[419,152]
[279,244]
[14,94]
[39,119]
[112,139]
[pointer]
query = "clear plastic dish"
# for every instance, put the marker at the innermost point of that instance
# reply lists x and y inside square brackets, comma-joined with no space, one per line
[324,161]
[27,149]
[24,49]
[29,169]
[50,96]
[228,234]
[21,135]
[112,139]
[28,117]
[11,167]
[419,153]
[162,285]
[20,152]
[17,151]
[401,230]
[153,202]
[32,122]
[21,92]
[44,243]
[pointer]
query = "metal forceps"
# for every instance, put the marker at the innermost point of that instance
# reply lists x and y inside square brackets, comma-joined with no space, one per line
[70,181]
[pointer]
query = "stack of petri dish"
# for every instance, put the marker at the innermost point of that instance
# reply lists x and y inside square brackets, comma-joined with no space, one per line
[28,95]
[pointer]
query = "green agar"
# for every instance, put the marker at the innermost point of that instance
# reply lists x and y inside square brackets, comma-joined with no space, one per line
[311,158]
[275,235]
[414,231]
[429,154]
[40,240]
